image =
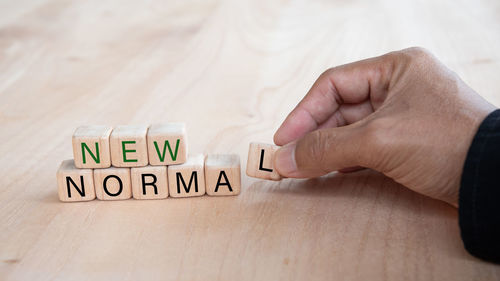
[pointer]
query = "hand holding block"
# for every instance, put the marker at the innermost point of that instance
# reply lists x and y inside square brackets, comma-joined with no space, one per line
[167,144]
[261,161]
[74,184]
[91,147]
[149,182]
[128,146]
[112,183]
[188,179]
[222,174]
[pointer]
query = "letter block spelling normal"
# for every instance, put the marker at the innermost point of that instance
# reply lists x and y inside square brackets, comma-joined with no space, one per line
[149,182]
[188,179]
[222,174]
[260,161]
[112,183]
[74,184]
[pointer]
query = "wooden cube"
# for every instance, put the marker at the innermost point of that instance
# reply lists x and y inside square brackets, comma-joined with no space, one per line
[261,161]
[167,144]
[74,184]
[112,183]
[91,147]
[188,179]
[149,182]
[222,174]
[128,146]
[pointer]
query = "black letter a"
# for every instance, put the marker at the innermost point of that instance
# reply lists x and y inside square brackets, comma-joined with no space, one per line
[223,174]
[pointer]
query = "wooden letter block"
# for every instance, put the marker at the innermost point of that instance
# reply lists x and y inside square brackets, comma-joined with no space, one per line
[128,146]
[112,183]
[74,184]
[91,147]
[188,179]
[261,161]
[222,174]
[149,182]
[167,144]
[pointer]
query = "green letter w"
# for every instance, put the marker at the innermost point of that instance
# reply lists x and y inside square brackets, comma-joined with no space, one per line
[167,144]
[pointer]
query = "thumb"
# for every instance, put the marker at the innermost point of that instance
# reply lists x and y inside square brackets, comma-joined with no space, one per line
[319,152]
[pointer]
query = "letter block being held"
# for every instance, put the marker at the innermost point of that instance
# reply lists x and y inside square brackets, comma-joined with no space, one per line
[188,179]
[91,147]
[222,174]
[167,144]
[149,182]
[112,183]
[74,184]
[261,161]
[128,146]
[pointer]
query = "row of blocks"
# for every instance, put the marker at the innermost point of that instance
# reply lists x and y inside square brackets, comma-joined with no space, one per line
[215,175]
[143,163]
[130,146]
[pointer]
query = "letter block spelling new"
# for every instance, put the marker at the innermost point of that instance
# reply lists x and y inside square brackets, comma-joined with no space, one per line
[222,174]
[91,147]
[128,146]
[261,161]
[149,182]
[188,179]
[74,184]
[112,183]
[167,144]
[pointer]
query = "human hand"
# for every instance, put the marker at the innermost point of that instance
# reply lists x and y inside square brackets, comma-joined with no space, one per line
[403,114]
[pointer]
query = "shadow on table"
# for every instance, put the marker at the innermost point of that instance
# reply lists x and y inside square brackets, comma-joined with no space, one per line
[366,185]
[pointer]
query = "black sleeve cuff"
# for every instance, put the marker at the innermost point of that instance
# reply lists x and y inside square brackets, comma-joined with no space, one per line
[479,199]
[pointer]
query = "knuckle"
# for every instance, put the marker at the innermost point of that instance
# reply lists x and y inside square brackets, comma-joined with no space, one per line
[417,55]
[409,56]
[418,51]
[327,73]
[412,61]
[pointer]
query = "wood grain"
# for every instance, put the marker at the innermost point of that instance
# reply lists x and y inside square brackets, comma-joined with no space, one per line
[230,70]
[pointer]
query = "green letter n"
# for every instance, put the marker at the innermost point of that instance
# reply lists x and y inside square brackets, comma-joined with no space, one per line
[165,145]
[95,157]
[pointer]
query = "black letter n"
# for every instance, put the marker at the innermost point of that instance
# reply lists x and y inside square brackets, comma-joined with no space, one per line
[80,191]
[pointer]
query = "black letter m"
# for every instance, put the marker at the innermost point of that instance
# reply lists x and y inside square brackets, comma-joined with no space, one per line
[179,178]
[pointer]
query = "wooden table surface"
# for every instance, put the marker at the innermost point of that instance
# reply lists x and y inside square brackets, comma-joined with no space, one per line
[231,70]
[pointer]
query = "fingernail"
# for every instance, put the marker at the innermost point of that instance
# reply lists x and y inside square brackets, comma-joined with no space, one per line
[284,160]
